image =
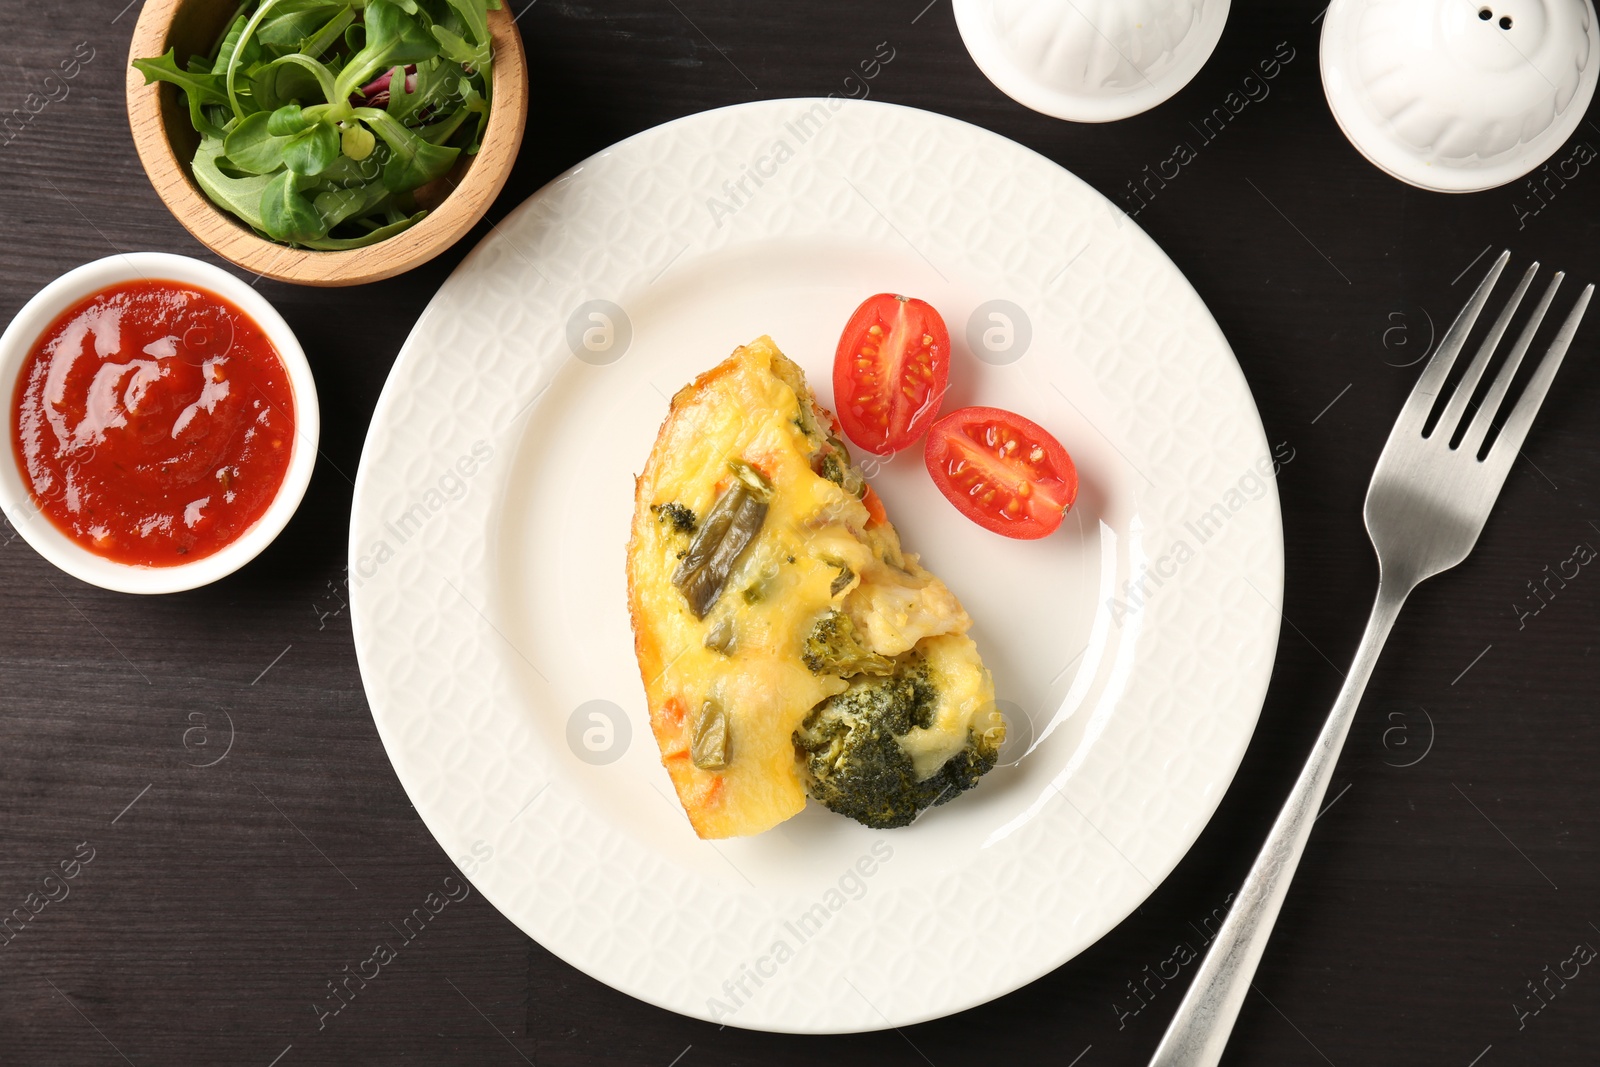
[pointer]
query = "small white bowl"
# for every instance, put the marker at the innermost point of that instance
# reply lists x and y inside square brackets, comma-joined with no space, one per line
[16,499]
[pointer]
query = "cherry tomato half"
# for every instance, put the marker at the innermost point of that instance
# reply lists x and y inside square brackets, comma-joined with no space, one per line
[889,372]
[1002,471]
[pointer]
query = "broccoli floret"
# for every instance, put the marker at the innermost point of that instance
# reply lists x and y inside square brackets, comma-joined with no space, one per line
[857,766]
[832,647]
[682,518]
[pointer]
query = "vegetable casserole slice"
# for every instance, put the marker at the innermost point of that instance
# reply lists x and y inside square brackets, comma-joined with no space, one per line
[786,643]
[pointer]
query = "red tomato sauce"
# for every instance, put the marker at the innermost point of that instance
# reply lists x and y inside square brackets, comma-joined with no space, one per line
[153,422]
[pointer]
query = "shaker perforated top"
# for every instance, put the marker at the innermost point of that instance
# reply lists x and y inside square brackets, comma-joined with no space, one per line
[1459,95]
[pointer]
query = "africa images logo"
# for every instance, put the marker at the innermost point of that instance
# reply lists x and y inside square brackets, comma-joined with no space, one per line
[1251,486]
[739,989]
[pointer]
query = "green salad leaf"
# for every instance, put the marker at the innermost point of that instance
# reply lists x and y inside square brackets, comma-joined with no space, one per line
[289,30]
[313,149]
[339,244]
[393,37]
[199,87]
[241,196]
[287,214]
[251,146]
[412,160]
[287,121]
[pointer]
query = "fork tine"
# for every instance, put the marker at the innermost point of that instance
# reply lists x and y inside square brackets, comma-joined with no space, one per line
[1484,419]
[1469,381]
[1509,443]
[1420,402]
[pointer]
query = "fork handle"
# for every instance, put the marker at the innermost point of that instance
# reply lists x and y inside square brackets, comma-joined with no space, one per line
[1199,1031]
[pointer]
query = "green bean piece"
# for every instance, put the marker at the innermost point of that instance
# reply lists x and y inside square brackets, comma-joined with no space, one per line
[728,529]
[708,749]
[719,638]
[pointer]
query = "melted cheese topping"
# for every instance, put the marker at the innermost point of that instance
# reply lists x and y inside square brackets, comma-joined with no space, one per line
[818,550]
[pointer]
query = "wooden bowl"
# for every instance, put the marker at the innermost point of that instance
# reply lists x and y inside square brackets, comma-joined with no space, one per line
[166,143]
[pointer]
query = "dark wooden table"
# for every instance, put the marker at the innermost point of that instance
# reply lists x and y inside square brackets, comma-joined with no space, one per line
[1457,860]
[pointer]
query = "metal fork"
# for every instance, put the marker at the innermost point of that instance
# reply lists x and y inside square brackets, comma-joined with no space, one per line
[1425,508]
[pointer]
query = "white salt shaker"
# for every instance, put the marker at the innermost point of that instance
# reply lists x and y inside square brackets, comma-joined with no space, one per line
[1090,60]
[1460,95]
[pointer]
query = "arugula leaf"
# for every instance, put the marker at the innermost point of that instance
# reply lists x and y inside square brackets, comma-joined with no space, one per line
[338,205]
[347,173]
[393,39]
[273,83]
[418,165]
[475,14]
[457,50]
[286,214]
[414,161]
[230,44]
[382,233]
[442,131]
[473,49]
[473,103]
[205,87]
[241,196]
[242,52]
[288,31]
[198,87]
[435,80]
[290,6]
[321,76]
[400,101]
[324,38]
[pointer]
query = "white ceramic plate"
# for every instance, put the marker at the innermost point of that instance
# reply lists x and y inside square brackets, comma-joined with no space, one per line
[492,510]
